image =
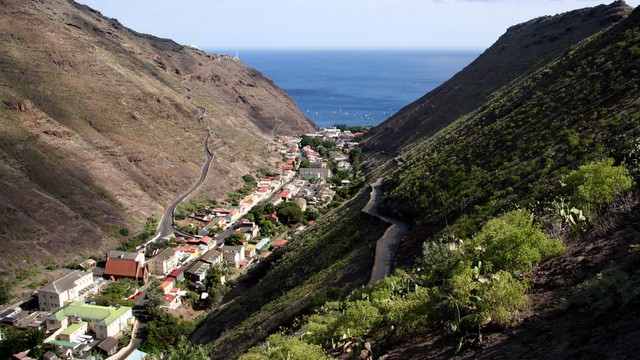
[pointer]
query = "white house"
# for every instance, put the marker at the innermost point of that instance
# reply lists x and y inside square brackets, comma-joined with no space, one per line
[74,286]
[232,254]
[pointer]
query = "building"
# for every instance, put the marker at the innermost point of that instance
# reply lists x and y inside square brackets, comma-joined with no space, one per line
[213,257]
[177,274]
[232,254]
[71,287]
[103,321]
[122,264]
[197,271]
[308,173]
[163,263]
[262,243]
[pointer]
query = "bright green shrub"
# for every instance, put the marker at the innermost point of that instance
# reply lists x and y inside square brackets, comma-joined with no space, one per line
[512,242]
[596,183]
[280,347]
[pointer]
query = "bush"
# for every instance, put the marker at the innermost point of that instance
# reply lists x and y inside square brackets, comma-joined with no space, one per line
[512,242]
[278,346]
[596,183]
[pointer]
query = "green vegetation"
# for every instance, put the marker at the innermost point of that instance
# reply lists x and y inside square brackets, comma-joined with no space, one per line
[165,332]
[249,184]
[117,293]
[5,291]
[280,347]
[193,206]
[290,213]
[233,240]
[321,264]
[185,351]
[596,183]
[148,230]
[17,339]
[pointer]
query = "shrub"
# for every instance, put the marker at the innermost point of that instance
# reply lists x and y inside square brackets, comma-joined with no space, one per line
[512,242]
[596,183]
[279,346]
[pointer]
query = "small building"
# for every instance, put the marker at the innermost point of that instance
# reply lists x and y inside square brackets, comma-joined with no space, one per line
[308,173]
[171,301]
[109,346]
[197,271]
[233,255]
[88,264]
[213,257]
[163,263]
[121,264]
[250,251]
[302,202]
[262,243]
[278,243]
[76,285]
[177,274]
[72,332]
[104,321]
[167,284]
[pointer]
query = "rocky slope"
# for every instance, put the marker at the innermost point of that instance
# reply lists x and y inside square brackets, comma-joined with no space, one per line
[520,51]
[97,128]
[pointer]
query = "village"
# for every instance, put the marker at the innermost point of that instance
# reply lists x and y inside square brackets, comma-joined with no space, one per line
[99,307]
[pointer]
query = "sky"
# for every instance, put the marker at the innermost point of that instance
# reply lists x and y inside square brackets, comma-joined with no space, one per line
[332,24]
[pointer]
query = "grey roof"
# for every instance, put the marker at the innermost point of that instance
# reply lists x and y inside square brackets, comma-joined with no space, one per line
[164,255]
[117,254]
[108,344]
[65,283]
[198,267]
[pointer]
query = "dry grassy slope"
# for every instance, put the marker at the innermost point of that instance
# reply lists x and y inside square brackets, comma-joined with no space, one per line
[520,51]
[97,127]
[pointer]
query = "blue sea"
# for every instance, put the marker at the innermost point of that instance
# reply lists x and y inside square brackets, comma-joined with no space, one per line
[355,87]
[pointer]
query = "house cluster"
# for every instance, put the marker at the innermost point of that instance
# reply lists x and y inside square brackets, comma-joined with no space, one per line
[76,326]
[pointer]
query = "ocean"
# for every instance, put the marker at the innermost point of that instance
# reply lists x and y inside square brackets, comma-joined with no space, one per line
[355,87]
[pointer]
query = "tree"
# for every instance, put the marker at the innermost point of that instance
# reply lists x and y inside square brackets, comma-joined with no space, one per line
[154,296]
[290,213]
[233,240]
[305,163]
[249,179]
[117,293]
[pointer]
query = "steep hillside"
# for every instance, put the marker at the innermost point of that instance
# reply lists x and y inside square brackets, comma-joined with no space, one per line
[525,232]
[98,130]
[523,49]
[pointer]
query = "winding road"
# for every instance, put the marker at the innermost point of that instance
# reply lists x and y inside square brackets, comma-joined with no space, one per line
[166,227]
[388,243]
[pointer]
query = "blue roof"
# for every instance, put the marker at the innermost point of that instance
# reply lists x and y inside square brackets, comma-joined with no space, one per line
[137,355]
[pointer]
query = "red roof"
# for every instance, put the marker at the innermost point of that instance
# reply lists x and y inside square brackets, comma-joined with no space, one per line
[279,243]
[124,268]
[264,254]
[284,193]
[175,273]
[166,283]
[206,240]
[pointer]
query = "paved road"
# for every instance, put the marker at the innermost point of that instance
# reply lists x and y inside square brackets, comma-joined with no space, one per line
[166,223]
[389,241]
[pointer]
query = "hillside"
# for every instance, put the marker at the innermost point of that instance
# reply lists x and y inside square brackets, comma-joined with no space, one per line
[523,49]
[98,127]
[524,228]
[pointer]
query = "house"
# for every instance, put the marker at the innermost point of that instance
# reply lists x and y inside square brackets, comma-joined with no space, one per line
[109,346]
[122,264]
[308,173]
[248,227]
[250,251]
[177,274]
[278,243]
[213,257]
[88,265]
[104,321]
[73,332]
[262,243]
[190,251]
[167,284]
[163,263]
[171,301]
[197,271]
[232,254]
[76,285]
